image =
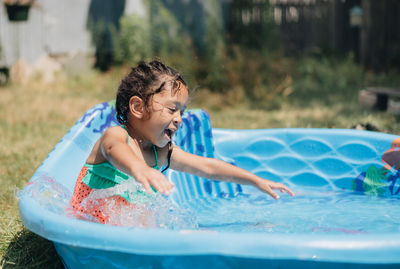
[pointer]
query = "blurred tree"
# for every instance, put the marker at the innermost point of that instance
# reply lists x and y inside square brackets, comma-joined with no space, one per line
[190,15]
[104,15]
[190,28]
[250,24]
[131,42]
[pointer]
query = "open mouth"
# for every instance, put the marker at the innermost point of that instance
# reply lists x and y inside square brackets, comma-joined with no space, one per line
[168,133]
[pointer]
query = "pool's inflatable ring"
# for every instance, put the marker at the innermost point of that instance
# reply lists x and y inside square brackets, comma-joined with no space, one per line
[326,158]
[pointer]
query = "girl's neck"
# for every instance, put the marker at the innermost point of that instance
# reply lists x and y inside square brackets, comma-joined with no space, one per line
[138,138]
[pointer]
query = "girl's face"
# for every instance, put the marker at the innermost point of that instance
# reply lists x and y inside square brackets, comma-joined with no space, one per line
[165,118]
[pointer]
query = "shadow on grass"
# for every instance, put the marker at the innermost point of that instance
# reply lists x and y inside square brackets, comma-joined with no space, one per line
[28,250]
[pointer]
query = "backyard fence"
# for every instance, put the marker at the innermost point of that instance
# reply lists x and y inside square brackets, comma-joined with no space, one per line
[307,26]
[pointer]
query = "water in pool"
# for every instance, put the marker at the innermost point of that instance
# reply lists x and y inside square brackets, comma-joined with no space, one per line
[310,211]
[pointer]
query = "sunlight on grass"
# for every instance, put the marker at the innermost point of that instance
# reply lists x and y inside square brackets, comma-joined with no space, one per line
[33,118]
[316,115]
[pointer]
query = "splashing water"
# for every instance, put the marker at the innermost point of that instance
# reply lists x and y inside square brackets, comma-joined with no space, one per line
[48,193]
[147,211]
[144,211]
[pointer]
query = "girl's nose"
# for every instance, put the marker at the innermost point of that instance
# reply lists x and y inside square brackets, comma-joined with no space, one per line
[177,119]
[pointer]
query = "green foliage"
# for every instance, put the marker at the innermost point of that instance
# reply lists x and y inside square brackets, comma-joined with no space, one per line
[170,40]
[167,35]
[214,55]
[248,65]
[318,78]
[390,78]
[259,34]
[131,43]
[159,35]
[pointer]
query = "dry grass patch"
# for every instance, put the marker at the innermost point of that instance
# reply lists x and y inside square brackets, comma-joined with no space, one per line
[33,118]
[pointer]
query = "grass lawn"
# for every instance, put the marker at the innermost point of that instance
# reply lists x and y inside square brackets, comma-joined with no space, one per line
[34,116]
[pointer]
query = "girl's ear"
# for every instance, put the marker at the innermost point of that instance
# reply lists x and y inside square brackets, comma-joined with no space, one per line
[137,107]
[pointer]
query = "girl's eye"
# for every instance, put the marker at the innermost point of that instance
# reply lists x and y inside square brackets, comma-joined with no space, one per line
[172,110]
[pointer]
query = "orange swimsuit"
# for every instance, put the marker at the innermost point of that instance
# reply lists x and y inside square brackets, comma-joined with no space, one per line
[103,176]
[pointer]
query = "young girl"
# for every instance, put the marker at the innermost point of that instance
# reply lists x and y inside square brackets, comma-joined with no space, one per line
[150,103]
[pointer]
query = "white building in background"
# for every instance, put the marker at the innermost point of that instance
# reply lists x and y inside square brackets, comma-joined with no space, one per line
[55,28]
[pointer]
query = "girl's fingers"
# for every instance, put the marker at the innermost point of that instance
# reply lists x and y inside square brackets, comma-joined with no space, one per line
[164,186]
[153,178]
[289,191]
[168,187]
[269,190]
[283,188]
[157,185]
[147,187]
[273,194]
[161,184]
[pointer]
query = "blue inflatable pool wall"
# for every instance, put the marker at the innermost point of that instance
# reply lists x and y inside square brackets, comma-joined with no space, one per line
[322,158]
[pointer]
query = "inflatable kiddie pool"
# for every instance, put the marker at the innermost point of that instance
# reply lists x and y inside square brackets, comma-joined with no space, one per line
[338,175]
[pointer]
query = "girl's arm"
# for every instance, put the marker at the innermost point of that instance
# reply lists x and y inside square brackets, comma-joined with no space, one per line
[219,170]
[115,149]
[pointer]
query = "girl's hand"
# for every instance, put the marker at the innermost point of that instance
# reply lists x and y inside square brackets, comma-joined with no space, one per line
[151,177]
[268,186]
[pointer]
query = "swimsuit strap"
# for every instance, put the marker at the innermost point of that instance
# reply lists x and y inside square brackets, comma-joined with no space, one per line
[156,157]
[169,156]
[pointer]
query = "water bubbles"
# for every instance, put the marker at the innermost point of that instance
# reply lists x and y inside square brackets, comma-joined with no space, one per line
[48,193]
[143,210]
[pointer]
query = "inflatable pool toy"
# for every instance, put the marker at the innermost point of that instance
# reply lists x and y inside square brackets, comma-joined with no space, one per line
[335,164]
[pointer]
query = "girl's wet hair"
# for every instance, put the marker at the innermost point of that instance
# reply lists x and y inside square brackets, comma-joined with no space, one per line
[144,81]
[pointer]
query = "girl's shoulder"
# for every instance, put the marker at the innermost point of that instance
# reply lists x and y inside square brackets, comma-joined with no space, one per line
[115,132]
[117,127]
